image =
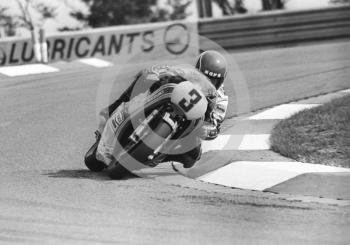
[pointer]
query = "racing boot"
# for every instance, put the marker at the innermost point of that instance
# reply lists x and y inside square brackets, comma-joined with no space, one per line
[187,159]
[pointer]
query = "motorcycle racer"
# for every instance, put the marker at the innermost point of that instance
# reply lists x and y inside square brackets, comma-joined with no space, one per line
[210,63]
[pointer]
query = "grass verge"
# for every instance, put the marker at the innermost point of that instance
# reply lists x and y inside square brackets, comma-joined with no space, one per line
[319,135]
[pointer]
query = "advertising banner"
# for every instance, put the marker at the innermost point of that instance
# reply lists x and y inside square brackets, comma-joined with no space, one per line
[136,43]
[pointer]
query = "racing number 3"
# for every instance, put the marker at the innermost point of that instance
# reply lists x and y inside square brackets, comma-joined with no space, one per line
[188,105]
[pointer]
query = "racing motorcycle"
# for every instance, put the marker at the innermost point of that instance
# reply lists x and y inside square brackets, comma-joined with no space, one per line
[164,117]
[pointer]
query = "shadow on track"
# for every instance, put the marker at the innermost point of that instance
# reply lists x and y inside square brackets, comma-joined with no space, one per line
[84,174]
[102,176]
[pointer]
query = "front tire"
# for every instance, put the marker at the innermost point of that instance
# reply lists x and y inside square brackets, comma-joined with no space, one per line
[141,151]
[116,171]
[90,159]
[155,138]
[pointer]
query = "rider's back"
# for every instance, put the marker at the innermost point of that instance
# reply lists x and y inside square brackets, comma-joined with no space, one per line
[148,77]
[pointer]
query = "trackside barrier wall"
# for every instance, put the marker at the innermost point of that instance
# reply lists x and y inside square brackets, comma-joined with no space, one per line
[176,40]
[123,44]
[277,28]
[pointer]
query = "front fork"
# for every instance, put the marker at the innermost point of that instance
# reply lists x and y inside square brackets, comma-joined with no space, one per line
[143,129]
[174,126]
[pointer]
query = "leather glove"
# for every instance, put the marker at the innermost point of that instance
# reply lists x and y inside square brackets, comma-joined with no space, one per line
[209,131]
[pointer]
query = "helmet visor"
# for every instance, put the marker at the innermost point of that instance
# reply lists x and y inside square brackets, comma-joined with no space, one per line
[216,81]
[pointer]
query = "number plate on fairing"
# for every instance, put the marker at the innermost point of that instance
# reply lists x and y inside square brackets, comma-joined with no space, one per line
[190,100]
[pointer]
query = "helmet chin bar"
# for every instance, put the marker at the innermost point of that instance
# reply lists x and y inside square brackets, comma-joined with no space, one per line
[217,82]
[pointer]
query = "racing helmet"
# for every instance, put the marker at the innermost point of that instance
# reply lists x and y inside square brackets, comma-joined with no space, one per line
[212,64]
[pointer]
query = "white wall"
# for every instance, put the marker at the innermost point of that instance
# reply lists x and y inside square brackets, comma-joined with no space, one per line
[254,6]
[306,4]
[64,19]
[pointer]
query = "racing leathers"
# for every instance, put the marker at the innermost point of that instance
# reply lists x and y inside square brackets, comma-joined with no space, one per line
[214,116]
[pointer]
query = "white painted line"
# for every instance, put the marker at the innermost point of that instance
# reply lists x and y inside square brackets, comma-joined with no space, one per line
[255,142]
[346,91]
[237,142]
[22,70]
[282,111]
[96,62]
[217,144]
[262,175]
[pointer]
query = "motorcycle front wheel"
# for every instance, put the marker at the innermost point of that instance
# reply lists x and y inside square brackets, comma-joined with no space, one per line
[141,151]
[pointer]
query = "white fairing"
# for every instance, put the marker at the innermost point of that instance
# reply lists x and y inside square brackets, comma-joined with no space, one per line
[190,99]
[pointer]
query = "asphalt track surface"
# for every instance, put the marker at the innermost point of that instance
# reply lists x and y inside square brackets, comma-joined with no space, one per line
[47,196]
